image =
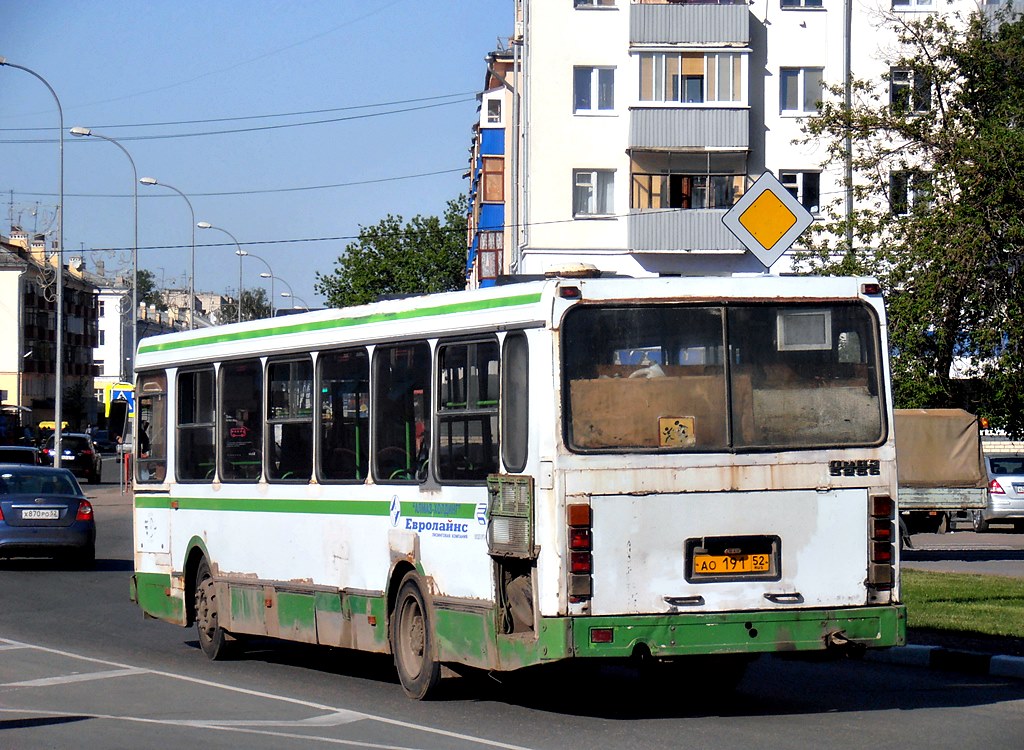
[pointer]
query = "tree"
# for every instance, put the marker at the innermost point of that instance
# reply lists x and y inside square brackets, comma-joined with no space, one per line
[148,292]
[939,215]
[425,255]
[255,306]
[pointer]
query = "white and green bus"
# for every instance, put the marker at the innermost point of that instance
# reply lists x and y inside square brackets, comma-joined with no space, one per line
[568,468]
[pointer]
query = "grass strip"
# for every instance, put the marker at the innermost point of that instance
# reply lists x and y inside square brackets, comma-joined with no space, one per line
[964,602]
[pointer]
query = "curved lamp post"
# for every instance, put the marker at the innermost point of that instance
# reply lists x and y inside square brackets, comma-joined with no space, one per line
[298,299]
[58,397]
[239,252]
[192,275]
[135,247]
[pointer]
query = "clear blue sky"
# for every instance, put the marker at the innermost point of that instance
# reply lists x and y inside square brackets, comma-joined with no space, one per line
[124,67]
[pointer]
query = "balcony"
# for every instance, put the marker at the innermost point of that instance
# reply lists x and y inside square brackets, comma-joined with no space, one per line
[686,23]
[674,230]
[679,128]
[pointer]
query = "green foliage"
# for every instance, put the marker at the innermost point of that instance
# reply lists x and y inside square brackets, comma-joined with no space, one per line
[950,265]
[255,306]
[148,292]
[425,255]
[963,602]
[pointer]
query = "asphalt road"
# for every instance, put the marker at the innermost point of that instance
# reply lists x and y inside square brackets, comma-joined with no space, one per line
[80,667]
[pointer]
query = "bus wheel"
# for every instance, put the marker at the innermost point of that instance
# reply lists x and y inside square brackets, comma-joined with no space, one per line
[412,641]
[212,637]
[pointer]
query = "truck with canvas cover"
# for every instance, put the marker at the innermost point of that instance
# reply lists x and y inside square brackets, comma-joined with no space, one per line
[940,468]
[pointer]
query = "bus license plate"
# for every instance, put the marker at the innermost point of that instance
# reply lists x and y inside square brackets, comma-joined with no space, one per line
[33,514]
[724,565]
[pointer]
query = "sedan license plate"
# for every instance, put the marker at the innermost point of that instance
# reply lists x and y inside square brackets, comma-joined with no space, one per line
[1018,488]
[725,565]
[35,514]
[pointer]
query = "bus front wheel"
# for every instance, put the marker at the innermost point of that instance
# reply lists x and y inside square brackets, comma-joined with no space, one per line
[212,637]
[412,641]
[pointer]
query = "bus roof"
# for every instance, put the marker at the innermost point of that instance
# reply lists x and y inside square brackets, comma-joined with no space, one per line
[531,303]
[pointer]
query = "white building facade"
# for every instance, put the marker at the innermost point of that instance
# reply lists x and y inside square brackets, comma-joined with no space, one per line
[629,127]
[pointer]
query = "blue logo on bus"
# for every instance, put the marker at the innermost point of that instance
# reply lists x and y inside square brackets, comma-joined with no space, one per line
[396,510]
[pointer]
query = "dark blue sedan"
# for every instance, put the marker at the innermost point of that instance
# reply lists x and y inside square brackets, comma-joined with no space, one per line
[44,513]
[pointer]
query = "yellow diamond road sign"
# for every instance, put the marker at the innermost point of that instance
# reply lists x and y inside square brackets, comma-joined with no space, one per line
[767,219]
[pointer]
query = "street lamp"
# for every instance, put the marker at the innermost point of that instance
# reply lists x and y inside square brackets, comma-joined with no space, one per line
[192,275]
[299,299]
[78,131]
[58,397]
[270,275]
[239,252]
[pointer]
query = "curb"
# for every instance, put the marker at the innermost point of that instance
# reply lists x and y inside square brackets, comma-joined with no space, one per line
[936,657]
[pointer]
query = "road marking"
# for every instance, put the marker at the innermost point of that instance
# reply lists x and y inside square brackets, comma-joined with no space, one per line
[79,677]
[333,712]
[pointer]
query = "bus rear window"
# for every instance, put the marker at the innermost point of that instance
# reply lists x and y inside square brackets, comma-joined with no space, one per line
[709,378]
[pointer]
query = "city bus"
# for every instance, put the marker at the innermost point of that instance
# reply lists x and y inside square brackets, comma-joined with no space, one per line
[685,472]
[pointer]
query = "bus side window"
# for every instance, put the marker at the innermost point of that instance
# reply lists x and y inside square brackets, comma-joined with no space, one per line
[152,408]
[241,395]
[515,373]
[467,443]
[195,459]
[343,381]
[401,399]
[290,420]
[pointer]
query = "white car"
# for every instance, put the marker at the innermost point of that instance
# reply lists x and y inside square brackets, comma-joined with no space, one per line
[1005,493]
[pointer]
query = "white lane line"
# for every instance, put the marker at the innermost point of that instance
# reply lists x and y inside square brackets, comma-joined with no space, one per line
[327,720]
[176,724]
[11,646]
[273,696]
[79,677]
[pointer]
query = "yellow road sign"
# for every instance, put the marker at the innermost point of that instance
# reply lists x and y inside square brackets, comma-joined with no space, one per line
[767,219]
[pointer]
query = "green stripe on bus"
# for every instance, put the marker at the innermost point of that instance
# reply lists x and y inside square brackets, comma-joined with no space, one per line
[261,505]
[323,325]
[416,509]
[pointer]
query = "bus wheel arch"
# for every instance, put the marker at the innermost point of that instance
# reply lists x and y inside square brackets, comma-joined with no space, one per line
[411,638]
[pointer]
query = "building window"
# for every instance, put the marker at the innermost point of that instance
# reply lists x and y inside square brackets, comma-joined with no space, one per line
[805,187]
[911,4]
[800,90]
[655,191]
[494,111]
[593,89]
[490,255]
[691,77]
[802,3]
[909,189]
[909,90]
[103,337]
[493,179]
[594,3]
[100,311]
[592,192]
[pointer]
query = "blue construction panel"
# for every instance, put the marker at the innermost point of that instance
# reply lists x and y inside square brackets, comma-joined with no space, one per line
[492,141]
[492,216]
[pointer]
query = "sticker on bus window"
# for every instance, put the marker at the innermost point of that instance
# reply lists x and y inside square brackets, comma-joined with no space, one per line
[676,432]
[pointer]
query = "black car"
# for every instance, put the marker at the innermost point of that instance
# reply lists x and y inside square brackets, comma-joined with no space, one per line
[104,441]
[78,454]
[43,513]
[19,454]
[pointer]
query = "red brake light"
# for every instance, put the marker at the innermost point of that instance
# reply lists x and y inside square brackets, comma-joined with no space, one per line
[579,539]
[995,488]
[1,514]
[87,452]
[579,562]
[84,511]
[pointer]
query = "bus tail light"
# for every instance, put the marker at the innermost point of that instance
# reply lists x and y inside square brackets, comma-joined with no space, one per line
[881,566]
[510,516]
[581,559]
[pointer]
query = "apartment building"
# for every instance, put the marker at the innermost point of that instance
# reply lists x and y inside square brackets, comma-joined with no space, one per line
[621,131]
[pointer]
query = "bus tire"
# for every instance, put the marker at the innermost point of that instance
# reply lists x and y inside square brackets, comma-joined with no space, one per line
[412,641]
[212,637]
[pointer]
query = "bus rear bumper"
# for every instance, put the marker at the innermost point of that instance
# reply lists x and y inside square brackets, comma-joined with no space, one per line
[664,636]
